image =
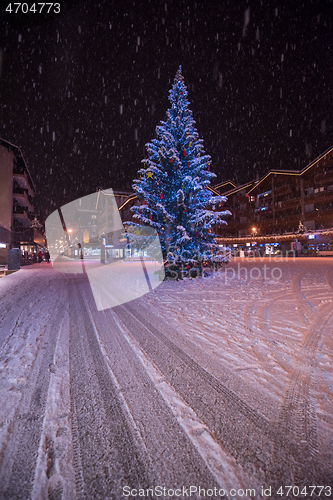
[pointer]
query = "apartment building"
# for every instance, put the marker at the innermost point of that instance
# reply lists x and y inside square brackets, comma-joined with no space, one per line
[283,198]
[273,206]
[17,211]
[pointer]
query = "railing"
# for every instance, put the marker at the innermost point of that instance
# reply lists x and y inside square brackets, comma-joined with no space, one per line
[19,210]
[18,190]
[322,196]
[21,213]
[281,190]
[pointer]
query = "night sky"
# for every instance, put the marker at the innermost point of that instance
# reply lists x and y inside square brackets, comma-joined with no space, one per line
[82,91]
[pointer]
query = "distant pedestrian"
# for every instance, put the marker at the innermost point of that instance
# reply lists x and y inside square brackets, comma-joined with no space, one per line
[47,256]
[40,256]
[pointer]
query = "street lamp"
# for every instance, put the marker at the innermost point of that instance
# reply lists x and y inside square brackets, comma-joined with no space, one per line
[254,230]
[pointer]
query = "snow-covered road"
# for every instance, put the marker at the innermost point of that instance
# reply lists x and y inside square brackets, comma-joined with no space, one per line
[223,382]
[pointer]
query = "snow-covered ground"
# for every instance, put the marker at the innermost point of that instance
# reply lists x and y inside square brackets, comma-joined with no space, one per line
[264,329]
[223,381]
[256,328]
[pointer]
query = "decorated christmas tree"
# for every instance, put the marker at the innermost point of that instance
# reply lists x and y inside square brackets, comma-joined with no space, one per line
[173,185]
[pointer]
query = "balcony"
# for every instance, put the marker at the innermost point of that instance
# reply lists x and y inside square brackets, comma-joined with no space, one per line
[22,198]
[323,177]
[320,212]
[283,190]
[293,204]
[21,215]
[21,180]
[322,195]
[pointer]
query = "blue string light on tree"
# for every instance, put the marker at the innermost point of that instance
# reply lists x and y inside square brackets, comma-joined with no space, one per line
[177,162]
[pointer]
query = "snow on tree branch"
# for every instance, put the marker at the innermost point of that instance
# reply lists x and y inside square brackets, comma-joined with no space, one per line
[175,179]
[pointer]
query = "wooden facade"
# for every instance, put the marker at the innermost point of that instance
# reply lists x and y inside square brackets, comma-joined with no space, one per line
[276,203]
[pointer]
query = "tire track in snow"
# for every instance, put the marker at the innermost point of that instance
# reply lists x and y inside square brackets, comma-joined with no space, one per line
[263,307]
[20,453]
[239,428]
[172,455]
[222,466]
[251,414]
[260,313]
[13,295]
[297,423]
[264,323]
[105,453]
[329,279]
[306,311]
[54,475]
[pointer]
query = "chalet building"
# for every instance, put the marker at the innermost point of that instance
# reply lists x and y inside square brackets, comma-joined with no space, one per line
[17,211]
[283,198]
[271,208]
